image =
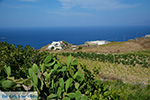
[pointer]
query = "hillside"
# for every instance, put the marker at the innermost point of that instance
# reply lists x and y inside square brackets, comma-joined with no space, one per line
[137,44]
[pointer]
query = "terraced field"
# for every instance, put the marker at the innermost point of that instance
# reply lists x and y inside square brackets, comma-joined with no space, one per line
[118,69]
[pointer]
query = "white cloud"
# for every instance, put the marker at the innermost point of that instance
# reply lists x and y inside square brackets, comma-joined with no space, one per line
[95,4]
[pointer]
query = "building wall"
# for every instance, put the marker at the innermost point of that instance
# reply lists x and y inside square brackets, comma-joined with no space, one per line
[56,45]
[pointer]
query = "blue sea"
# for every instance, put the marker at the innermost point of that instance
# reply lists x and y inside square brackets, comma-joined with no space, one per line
[39,37]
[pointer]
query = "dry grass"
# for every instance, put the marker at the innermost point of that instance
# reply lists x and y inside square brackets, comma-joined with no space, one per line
[115,71]
[145,43]
[116,47]
[137,44]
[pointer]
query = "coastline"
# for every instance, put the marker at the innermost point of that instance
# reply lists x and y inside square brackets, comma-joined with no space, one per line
[39,37]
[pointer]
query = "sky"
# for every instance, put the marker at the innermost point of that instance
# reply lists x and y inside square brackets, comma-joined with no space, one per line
[70,13]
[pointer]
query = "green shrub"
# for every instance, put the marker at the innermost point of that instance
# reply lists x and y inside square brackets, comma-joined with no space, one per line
[53,80]
[52,48]
[79,48]
[18,58]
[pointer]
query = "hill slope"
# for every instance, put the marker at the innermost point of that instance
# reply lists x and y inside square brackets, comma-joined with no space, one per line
[138,44]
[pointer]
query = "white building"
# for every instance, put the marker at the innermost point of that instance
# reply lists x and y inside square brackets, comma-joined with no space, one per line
[74,47]
[96,42]
[147,36]
[55,45]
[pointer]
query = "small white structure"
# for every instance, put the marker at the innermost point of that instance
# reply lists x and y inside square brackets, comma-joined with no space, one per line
[96,42]
[147,36]
[55,45]
[74,47]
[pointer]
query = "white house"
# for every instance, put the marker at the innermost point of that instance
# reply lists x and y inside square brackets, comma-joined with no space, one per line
[147,36]
[101,42]
[96,42]
[74,47]
[55,45]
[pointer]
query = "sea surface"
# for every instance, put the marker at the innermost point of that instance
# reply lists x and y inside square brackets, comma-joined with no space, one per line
[39,37]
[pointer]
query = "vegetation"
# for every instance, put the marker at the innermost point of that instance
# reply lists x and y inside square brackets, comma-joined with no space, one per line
[19,58]
[80,48]
[111,71]
[24,69]
[125,59]
[50,78]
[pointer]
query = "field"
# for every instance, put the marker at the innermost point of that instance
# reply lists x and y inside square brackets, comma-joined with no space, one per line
[130,74]
[111,70]
[128,79]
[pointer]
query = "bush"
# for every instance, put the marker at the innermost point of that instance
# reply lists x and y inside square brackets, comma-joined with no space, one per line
[18,58]
[52,48]
[53,80]
[79,48]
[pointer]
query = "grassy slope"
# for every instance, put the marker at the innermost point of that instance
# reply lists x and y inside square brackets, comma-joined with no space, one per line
[138,44]
[115,47]
[116,71]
